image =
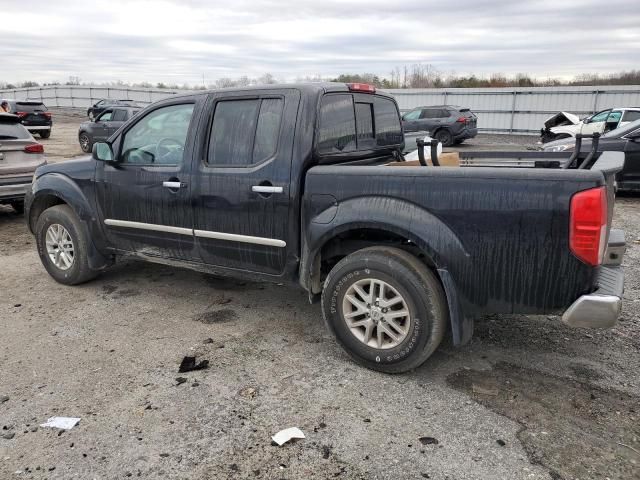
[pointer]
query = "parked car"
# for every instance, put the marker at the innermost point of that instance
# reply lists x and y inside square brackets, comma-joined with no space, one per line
[446,123]
[104,126]
[567,125]
[623,139]
[20,155]
[305,184]
[34,115]
[100,106]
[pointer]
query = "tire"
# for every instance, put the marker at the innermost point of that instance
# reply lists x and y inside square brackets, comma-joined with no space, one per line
[444,137]
[78,271]
[18,206]
[403,274]
[45,133]
[86,142]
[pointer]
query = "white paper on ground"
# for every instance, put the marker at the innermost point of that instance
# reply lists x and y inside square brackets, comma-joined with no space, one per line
[66,423]
[283,436]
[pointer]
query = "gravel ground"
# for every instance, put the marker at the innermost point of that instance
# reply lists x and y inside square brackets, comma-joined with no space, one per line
[528,398]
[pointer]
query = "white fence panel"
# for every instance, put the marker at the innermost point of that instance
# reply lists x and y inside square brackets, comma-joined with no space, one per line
[521,110]
[502,110]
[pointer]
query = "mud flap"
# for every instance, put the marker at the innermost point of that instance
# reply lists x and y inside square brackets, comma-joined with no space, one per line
[461,325]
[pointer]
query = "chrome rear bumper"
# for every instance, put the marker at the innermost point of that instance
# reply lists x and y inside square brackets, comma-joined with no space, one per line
[601,308]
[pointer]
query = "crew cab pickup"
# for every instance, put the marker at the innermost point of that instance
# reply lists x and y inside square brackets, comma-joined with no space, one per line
[305,184]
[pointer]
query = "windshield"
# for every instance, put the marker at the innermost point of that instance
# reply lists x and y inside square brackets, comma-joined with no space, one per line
[619,132]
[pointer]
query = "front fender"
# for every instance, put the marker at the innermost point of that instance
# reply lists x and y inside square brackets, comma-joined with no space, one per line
[67,191]
[435,239]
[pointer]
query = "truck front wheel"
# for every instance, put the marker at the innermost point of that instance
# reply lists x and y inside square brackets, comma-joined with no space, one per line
[386,309]
[62,245]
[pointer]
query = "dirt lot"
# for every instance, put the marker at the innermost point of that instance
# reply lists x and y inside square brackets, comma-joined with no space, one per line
[527,399]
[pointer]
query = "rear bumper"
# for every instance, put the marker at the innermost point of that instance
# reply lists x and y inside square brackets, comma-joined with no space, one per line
[14,188]
[37,128]
[466,133]
[601,308]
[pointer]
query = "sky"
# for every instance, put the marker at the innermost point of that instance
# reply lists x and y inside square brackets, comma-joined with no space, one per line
[184,41]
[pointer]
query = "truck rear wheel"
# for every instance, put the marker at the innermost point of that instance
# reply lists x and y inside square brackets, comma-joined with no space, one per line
[62,246]
[386,309]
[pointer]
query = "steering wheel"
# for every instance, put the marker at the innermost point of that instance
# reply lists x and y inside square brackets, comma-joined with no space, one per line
[165,144]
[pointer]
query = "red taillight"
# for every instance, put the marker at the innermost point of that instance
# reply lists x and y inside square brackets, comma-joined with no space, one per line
[34,148]
[361,87]
[462,120]
[22,114]
[588,225]
[47,114]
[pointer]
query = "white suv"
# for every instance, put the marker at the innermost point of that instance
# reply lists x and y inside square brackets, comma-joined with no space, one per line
[565,125]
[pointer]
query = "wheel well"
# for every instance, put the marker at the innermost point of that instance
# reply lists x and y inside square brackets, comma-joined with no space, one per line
[39,205]
[346,243]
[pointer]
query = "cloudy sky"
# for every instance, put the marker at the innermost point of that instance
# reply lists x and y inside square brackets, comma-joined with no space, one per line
[178,41]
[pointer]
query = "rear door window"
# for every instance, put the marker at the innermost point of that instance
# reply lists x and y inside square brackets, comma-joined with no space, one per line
[430,113]
[119,115]
[631,115]
[244,131]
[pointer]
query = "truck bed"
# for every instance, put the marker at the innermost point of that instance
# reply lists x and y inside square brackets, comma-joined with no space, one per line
[501,233]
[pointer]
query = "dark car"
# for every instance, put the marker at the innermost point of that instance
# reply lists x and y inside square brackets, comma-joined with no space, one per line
[305,185]
[34,115]
[623,139]
[104,126]
[446,123]
[100,106]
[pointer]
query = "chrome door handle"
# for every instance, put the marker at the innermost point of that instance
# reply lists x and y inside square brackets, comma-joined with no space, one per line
[266,189]
[174,184]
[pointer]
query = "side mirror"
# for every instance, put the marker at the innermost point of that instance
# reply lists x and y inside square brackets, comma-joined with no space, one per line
[102,152]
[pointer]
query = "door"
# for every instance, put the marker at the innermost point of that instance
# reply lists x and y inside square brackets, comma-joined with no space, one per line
[595,123]
[630,175]
[101,126]
[117,119]
[410,121]
[429,119]
[241,194]
[613,121]
[145,197]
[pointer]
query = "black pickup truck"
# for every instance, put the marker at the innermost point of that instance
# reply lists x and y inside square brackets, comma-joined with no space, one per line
[306,184]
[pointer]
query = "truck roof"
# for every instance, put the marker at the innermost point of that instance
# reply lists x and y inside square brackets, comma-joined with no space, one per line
[309,88]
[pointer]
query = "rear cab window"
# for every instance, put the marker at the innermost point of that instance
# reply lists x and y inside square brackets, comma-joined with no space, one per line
[353,122]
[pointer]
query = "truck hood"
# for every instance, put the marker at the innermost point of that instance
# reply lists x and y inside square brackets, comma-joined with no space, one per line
[80,167]
[561,118]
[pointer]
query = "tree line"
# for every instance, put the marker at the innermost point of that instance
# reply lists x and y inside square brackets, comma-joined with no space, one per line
[412,76]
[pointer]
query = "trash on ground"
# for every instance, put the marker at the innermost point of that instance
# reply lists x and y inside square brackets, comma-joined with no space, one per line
[189,364]
[428,441]
[4,398]
[180,380]
[283,436]
[484,391]
[65,423]
[248,392]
